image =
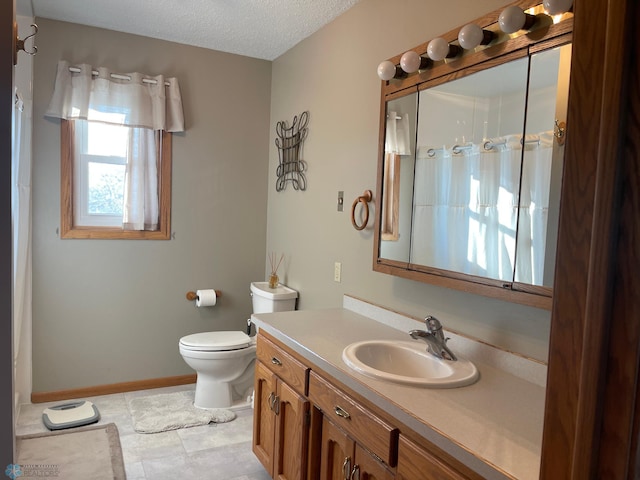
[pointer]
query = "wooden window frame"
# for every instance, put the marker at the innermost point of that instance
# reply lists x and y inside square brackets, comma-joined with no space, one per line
[67,228]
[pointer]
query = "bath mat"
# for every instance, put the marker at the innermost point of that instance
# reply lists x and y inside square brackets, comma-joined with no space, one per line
[171,411]
[87,452]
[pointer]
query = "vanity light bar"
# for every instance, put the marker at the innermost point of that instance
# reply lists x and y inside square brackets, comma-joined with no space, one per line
[511,20]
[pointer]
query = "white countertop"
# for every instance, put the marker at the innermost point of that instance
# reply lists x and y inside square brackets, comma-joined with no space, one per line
[493,426]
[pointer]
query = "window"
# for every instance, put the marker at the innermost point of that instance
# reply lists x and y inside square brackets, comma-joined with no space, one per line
[93,169]
[115,151]
[99,170]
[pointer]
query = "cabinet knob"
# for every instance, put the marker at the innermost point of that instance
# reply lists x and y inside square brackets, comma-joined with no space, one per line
[341,412]
[276,361]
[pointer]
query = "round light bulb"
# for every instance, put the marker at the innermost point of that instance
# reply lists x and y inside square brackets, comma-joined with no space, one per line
[386,70]
[438,49]
[556,7]
[410,62]
[512,19]
[470,36]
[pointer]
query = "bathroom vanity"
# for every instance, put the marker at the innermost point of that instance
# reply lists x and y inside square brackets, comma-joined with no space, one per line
[317,418]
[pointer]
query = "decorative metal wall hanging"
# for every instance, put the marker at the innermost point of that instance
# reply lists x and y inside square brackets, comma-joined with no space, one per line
[289,142]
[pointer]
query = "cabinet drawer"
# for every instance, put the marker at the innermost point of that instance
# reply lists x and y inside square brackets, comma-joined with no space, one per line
[290,370]
[370,431]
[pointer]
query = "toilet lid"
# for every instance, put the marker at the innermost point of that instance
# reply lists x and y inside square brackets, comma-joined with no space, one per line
[216,341]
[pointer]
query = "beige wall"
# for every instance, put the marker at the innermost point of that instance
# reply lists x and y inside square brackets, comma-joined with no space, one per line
[113,311]
[333,75]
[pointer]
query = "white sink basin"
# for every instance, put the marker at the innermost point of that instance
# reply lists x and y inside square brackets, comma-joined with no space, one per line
[409,363]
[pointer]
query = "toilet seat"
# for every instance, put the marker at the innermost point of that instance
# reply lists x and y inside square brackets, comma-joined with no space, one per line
[216,341]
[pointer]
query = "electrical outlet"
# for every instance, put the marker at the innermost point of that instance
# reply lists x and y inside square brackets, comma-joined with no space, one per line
[337,272]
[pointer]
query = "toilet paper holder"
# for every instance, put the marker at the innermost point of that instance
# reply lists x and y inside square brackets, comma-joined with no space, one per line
[194,296]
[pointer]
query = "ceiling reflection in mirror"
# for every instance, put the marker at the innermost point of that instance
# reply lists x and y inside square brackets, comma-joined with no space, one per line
[475,187]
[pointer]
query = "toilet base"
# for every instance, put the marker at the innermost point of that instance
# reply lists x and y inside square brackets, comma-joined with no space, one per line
[238,403]
[236,406]
[233,396]
[210,394]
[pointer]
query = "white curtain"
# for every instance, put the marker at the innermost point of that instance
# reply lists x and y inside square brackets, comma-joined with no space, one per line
[21,224]
[441,201]
[141,182]
[146,104]
[495,212]
[534,209]
[469,197]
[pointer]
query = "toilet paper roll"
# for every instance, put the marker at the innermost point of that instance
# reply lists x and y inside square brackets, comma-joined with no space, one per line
[206,298]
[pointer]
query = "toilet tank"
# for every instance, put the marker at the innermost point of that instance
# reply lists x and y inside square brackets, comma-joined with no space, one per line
[279,299]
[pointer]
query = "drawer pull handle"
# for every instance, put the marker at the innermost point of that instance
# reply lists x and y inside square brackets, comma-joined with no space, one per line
[342,412]
[355,473]
[274,403]
[276,361]
[346,467]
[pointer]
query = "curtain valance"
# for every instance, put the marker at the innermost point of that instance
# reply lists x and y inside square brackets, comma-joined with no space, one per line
[144,104]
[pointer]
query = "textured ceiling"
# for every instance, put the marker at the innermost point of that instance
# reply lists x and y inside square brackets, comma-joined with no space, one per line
[256,28]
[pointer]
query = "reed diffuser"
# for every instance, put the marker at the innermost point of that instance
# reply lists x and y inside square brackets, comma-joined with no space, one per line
[273,277]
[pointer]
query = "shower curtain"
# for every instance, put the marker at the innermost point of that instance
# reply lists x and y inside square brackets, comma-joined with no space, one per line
[470,197]
[534,210]
[21,223]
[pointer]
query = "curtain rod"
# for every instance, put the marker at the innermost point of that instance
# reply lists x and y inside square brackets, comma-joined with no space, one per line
[119,76]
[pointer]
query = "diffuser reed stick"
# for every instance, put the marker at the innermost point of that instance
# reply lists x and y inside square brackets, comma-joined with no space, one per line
[273,277]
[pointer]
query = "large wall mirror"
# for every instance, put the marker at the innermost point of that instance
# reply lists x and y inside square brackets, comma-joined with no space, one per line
[470,171]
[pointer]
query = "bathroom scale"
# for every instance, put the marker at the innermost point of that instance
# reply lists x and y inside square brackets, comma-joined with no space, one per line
[69,415]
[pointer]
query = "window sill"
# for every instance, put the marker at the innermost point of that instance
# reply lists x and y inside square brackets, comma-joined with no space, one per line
[109,233]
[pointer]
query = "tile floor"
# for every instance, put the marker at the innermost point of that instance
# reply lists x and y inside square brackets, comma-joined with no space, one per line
[214,451]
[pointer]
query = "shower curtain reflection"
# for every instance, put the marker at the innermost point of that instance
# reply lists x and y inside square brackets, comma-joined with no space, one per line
[534,210]
[470,197]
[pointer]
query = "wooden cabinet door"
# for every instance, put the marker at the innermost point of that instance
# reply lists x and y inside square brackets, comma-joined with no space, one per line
[264,426]
[343,459]
[367,467]
[292,434]
[336,453]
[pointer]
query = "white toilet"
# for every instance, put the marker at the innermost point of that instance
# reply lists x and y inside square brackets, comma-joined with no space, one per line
[224,361]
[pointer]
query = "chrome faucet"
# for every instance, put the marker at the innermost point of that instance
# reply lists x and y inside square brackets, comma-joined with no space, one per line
[436,341]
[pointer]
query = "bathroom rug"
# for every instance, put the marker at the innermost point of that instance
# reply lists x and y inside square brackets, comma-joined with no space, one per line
[171,411]
[86,452]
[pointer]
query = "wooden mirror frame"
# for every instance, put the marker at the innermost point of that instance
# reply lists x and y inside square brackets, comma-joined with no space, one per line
[541,38]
